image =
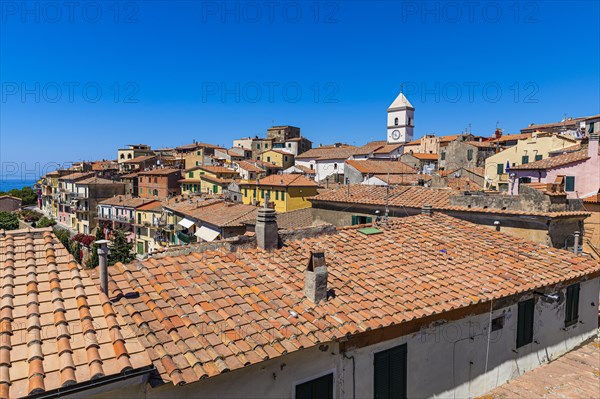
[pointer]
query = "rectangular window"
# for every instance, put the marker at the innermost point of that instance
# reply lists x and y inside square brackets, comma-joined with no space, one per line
[356,219]
[268,159]
[285,158]
[443,156]
[276,195]
[570,183]
[149,191]
[390,373]
[524,159]
[245,192]
[319,388]
[525,322]
[198,153]
[539,157]
[262,194]
[572,305]
[190,174]
[500,168]
[469,155]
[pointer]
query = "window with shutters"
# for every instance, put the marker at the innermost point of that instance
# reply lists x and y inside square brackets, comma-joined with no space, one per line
[570,183]
[539,157]
[357,219]
[469,155]
[443,156]
[525,322]
[319,388]
[500,168]
[524,159]
[572,306]
[390,373]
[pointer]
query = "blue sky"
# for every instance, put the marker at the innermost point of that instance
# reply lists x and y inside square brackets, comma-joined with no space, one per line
[77,83]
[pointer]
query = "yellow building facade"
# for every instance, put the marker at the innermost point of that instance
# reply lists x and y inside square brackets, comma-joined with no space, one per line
[285,192]
[279,158]
[206,179]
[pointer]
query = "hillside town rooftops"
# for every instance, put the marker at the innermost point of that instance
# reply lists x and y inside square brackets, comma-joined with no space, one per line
[416,197]
[96,181]
[58,328]
[76,176]
[218,213]
[218,311]
[247,166]
[425,157]
[126,201]
[140,159]
[212,169]
[329,152]
[554,162]
[380,167]
[285,180]
[159,172]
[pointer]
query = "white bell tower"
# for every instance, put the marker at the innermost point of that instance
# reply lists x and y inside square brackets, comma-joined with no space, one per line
[401,120]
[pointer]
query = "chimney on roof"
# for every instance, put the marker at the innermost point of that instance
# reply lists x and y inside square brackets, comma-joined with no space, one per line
[315,278]
[426,210]
[593,145]
[266,227]
[103,264]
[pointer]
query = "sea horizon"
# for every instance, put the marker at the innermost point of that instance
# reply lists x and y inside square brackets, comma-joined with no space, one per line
[18,183]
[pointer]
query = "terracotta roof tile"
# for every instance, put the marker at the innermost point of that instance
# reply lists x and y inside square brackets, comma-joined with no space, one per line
[215,212]
[380,167]
[57,298]
[329,152]
[127,201]
[285,180]
[554,162]
[240,312]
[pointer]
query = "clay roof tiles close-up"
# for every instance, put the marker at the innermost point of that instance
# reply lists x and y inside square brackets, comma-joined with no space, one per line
[203,314]
[57,328]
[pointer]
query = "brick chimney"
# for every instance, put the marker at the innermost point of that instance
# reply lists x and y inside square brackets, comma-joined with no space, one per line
[315,278]
[266,227]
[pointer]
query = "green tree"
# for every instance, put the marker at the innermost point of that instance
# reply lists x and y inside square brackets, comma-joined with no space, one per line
[45,222]
[64,237]
[93,262]
[121,250]
[76,251]
[9,221]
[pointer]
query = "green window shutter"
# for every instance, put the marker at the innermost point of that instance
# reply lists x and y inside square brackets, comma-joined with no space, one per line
[525,322]
[443,156]
[524,159]
[277,195]
[390,373]
[539,157]
[215,189]
[368,219]
[262,193]
[245,192]
[572,305]
[469,155]
[570,183]
[319,388]
[354,220]
[500,168]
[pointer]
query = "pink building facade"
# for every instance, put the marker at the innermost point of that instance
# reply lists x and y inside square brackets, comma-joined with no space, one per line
[581,172]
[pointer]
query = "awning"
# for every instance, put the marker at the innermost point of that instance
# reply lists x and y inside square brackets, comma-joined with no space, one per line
[187,223]
[206,234]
